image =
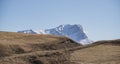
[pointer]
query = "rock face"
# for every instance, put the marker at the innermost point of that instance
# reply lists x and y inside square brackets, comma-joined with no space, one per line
[74,32]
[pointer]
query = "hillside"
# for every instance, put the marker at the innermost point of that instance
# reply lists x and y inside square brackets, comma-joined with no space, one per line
[101,52]
[18,48]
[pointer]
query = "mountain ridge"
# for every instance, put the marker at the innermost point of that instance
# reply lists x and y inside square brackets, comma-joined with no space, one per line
[74,32]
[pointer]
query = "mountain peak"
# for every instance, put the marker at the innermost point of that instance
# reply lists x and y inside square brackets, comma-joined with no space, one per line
[64,25]
[74,32]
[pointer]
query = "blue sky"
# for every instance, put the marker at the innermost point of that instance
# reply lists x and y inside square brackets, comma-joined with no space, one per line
[99,18]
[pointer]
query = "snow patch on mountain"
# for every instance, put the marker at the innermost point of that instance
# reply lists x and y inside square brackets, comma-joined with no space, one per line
[40,32]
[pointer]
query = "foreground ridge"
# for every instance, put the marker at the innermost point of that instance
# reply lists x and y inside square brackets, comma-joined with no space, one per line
[17,48]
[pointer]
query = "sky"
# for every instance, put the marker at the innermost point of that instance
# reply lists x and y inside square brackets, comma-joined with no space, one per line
[99,18]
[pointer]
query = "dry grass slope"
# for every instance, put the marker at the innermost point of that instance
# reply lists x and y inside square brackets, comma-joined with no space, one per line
[101,52]
[18,48]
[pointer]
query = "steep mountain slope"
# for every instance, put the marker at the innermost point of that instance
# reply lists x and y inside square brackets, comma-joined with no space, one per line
[74,32]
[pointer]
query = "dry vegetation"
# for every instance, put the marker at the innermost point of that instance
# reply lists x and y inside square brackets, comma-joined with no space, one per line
[18,48]
[101,52]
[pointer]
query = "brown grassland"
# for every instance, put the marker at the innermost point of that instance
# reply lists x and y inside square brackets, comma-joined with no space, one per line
[18,48]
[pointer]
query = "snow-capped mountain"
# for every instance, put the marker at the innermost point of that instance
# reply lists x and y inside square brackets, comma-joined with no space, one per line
[74,32]
[27,31]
